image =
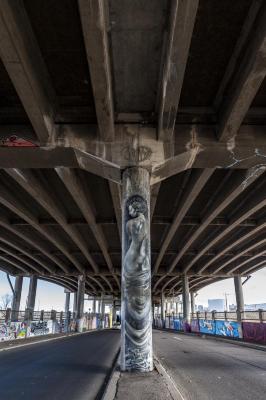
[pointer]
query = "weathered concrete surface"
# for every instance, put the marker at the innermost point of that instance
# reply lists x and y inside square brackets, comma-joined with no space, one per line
[142,386]
[204,369]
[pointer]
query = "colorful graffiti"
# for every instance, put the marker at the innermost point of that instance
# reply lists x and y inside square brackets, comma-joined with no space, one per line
[207,326]
[251,331]
[227,328]
[178,325]
[195,325]
[219,328]
[254,332]
[13,330]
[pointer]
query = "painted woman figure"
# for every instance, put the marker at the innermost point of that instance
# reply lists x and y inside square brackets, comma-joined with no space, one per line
[137,281]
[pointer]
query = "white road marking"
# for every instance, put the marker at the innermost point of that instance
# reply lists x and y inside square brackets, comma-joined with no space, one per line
[177,338]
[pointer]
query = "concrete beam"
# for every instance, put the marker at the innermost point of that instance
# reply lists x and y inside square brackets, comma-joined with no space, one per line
[32,185]
[220,204]
[186,201]
[23,61]
[94,19]
[182,19]
[247,80]
[74,185]
[115,191]
[195,147]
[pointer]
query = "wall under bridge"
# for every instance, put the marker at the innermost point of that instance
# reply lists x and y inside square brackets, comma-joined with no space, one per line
[46,323]
[251,327]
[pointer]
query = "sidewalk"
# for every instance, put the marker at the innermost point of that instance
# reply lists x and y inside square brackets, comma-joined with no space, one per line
[142,386]
[155,385]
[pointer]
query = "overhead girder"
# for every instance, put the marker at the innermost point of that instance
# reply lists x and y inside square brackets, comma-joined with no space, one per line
[100,148]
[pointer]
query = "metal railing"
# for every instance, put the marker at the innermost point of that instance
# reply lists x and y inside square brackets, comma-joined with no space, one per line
[247,325]
[256,316]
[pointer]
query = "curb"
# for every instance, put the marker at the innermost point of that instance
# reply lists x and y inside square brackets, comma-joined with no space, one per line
[111,387]
[171,385]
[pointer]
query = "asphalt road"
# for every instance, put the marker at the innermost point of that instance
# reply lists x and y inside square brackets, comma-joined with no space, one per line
[206,369]
[73,368]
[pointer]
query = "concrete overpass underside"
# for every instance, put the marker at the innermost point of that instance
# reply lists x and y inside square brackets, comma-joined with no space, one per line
[89,89]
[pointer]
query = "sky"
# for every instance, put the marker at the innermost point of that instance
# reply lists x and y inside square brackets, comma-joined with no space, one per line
[50,296]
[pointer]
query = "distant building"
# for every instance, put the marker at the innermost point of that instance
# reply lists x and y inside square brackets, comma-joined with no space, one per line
[232,307]
[200,308]
[216,305]
[254,307]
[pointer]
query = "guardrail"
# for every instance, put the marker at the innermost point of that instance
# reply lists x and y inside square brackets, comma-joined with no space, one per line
[247,325]
[38,323]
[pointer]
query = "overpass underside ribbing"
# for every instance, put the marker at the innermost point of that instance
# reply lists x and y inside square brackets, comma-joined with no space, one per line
[90,89]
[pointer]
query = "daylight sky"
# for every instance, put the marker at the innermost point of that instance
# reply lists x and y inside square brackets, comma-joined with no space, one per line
[50,296]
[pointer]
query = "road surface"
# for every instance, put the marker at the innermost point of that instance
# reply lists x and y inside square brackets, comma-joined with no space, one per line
[73,368]
[206,369]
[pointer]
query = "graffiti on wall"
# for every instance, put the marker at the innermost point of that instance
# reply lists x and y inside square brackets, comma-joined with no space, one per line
[207,326]
[13,330]
[38,328]
[254,332]
[227,328]
[220,328]
[195,325]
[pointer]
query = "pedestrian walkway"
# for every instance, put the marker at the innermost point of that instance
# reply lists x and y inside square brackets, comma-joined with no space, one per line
[142,386]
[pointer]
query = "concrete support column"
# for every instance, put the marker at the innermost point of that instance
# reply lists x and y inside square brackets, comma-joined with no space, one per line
[185,296]
[136,313]
[102,310]
[75,303]
[94,306]
[67,301]
[113,313]
[239,296]
[31,297]
[80,296]
[192,302]
[16,298]
[162,307]
[67,313]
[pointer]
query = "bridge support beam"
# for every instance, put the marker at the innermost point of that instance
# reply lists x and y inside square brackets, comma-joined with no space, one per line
[75,303]
[94,306]
[113,313]
[31,297]
[103,311]
[185,296]
[239,295]
[240,305]
[80,296]
[67,301]
[192,302]
[162,307]
[16,298]
[67,315]
[136,313]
